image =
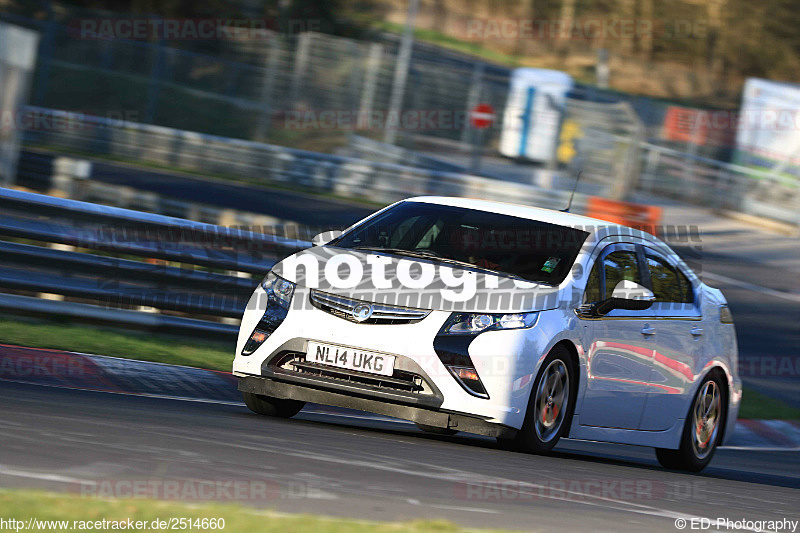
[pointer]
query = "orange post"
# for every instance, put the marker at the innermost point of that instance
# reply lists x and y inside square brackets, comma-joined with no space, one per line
[642,217]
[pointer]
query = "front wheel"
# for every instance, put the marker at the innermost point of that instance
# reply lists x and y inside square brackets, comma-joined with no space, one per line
[268,406]
[702,429]
[550,406]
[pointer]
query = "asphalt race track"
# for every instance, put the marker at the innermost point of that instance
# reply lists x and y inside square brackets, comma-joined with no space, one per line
[373,468]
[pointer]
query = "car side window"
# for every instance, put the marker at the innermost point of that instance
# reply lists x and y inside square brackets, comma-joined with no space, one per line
[618,266]
[669,284]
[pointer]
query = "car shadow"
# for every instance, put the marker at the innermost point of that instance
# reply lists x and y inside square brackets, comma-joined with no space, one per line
[645,460]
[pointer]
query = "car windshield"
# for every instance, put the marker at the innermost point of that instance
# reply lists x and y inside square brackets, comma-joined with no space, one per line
[512,246]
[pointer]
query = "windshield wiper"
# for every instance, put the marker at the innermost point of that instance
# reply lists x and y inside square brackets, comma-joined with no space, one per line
[485,269]
[399,251]
[430,254]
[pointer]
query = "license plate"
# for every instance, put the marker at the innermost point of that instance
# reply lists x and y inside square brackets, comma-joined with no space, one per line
[350,358]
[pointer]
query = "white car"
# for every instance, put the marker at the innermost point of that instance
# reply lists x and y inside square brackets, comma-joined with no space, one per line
[520,323]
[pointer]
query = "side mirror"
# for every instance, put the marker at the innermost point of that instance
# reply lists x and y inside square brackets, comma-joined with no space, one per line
[632,291]
[627,295]
[325,237]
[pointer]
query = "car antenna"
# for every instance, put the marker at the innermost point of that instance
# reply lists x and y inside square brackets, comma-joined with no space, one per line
[572,194]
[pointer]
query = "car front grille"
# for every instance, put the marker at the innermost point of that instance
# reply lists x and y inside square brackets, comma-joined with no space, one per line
[343,307]
[400,380]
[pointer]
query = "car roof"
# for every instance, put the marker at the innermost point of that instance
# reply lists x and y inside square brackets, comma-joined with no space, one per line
[540,214]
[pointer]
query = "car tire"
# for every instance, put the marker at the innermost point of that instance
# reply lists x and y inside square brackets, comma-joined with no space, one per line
[702,430]
[550,406]
[265,405]
[435,429]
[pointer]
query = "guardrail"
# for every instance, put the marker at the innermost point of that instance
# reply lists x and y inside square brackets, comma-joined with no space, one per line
[65,257]
[700,180]
[254,162]
[372,150]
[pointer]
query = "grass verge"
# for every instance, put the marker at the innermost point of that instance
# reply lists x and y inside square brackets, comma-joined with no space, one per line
[219,355]
[438,38]
[26,504]
[760,406]
[142,346]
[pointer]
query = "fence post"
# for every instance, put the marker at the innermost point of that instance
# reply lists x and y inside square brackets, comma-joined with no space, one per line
[651,167]
[691,153]
[401,70]
[351,97]
[370,84]
[627,173]
[267,89]
[154,87]
[17,61]
[300,64]
[473,98]
[45,56]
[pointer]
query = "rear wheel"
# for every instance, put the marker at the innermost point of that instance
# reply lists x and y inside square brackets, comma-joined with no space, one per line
[265,405]
[702,429]
[550,406]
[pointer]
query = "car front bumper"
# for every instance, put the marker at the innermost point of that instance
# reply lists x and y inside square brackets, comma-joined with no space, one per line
[341,398]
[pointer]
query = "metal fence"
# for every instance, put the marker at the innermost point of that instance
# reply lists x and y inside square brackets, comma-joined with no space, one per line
[700,180]
[106,264]
[246,93]
[634,165]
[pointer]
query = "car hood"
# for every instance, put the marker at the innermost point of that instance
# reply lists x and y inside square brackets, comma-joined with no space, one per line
[411,282]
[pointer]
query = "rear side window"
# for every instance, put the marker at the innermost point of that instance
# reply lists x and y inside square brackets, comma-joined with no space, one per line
[669,284]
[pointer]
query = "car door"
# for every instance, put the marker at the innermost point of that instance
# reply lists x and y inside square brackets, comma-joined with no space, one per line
[679,341]
[619,345]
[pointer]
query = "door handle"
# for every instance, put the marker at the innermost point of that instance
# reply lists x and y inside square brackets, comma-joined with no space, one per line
[648,330]
[697,331]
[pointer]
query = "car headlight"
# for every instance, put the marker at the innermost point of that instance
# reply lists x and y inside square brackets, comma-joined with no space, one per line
[279,292]
[471,323]
[278,289]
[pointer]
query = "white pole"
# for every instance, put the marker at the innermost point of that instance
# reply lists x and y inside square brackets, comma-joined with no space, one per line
[473,99]
[18,48]
[267,89]
[401,72]
[370,84]
[300,65]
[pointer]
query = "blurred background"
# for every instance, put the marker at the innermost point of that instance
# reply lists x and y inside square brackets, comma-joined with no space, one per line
[652,100]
